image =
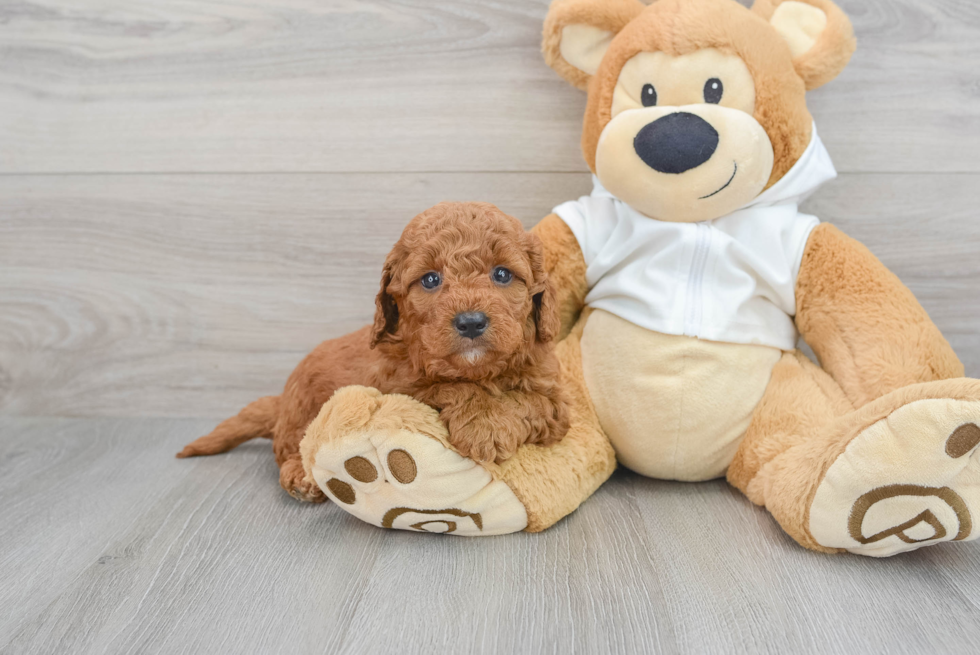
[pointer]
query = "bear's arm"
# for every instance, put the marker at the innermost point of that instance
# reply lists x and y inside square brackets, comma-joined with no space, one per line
[866,328]
[565,264]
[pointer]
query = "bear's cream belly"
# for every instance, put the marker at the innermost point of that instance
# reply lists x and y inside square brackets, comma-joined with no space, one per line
[674,407]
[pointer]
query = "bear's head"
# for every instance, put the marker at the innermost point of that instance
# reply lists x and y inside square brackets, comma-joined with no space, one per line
[695,106]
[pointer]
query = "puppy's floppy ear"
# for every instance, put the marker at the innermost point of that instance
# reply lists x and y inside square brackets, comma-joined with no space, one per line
[386,312]
[547,320]
[577,34]
[546,313]
[818,33]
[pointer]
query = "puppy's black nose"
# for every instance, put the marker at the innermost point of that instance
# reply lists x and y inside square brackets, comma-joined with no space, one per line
[471,324]
[676,142]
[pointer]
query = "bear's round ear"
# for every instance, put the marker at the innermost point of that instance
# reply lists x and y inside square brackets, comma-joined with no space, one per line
[818,33]
[577,34]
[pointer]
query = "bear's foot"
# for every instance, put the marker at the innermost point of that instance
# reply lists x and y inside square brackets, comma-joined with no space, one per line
[907,480]
[386,460]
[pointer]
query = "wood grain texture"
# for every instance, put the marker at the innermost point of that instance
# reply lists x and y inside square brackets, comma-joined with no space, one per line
[407,86]
[134,551]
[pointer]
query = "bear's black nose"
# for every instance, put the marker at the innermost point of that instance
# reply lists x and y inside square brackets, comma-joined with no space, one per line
[470,325]
[676,142]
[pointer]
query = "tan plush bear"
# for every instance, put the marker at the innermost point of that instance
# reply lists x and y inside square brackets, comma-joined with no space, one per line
[697,273]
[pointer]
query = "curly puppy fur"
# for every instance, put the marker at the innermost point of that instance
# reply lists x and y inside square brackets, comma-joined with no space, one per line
[494,392]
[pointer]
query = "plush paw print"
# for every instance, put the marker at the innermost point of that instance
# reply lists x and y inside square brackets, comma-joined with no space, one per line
[908,480]
[386,459]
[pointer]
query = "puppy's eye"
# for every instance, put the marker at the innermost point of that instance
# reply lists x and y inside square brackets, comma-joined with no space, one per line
[431,280]
[648,96]
[501,275]
[713,90]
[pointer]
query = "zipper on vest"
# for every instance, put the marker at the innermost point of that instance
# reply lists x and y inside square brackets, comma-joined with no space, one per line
[695,282]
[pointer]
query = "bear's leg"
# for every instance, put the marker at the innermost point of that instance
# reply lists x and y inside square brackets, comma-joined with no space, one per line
[387,460]
[897,470]
[801,401]
[867,329]
[898,473]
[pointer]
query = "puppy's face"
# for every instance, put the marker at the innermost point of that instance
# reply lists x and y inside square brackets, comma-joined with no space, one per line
[465,292]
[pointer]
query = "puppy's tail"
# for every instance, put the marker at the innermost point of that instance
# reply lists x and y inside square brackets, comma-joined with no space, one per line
[256,420]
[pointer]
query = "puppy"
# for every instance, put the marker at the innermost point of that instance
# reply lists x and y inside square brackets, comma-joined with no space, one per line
[464,323]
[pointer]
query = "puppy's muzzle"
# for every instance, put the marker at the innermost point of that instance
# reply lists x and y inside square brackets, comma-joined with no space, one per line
[470,325]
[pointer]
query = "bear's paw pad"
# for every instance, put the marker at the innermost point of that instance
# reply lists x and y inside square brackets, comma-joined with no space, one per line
[407,480]
[909,480]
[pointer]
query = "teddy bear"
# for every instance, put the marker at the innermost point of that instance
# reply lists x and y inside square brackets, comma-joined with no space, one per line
[685,280]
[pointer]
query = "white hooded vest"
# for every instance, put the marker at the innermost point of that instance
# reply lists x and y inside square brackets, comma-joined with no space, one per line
[731,279]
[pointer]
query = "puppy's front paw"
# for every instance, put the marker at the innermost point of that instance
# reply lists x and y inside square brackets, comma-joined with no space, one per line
[485,434]
[475,440]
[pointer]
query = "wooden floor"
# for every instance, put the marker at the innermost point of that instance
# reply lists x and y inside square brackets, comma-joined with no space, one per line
[195,193]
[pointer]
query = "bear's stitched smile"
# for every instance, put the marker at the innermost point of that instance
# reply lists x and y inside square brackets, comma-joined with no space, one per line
[725,185]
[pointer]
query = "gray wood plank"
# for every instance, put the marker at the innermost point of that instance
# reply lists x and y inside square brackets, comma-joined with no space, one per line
[187,295]
[138,552]
[370,85]
[70,490]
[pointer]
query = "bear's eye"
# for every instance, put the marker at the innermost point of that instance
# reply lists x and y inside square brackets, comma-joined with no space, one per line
[431,280]
[501,275]
[648,96]
[713,90]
